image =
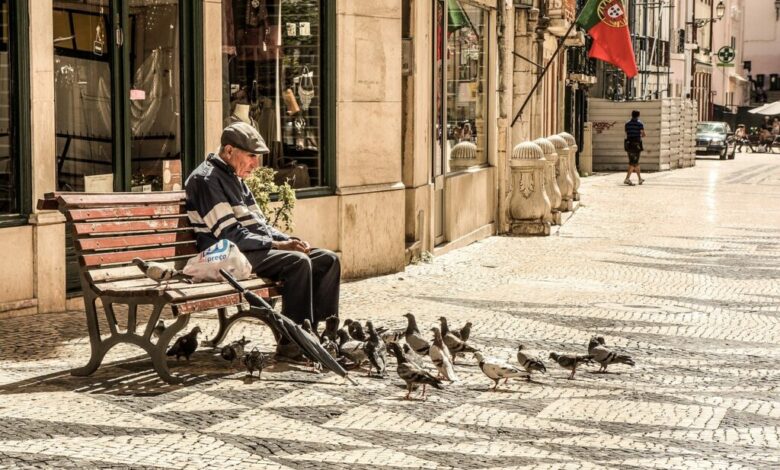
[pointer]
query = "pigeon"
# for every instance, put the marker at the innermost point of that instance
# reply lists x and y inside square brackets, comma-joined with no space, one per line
[234,350]
[331,328]
[529,363]
[465,332]
[570,361]
[411,373]
[355,330]
[497,369]
[159,272]
[351,349]
[391,335]
[454,344]
[254,361]
[331,347]
[440,356]
[375,349]
[158,329]
[185,345]
[605,356]
[412,356]
[413,337]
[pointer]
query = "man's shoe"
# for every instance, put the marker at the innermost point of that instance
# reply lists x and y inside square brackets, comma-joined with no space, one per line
[641,180]
[628,182]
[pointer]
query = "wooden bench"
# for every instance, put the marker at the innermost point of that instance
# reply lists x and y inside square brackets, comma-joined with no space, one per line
[111,229]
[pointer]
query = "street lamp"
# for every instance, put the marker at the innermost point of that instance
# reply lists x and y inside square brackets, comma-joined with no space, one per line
[720,10]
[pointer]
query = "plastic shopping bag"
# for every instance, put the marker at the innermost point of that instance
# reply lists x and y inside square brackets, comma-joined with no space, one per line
[222,255]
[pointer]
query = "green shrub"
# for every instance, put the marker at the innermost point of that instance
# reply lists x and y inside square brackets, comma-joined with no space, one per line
[262,185]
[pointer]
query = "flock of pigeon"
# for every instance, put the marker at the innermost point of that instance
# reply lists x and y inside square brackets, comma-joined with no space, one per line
[353,346]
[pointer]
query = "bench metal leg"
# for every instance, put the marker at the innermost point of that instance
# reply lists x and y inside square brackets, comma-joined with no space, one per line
[156,351]
[98,351]
[226,323]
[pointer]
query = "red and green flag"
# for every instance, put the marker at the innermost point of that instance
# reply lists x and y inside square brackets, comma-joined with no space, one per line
[606,22]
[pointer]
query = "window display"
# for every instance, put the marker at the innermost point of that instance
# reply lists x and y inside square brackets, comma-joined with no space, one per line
[89,146]
[271,57]
[9,161]
[460,81]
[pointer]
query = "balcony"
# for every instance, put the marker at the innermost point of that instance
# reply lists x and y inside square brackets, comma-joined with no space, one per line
[561,13]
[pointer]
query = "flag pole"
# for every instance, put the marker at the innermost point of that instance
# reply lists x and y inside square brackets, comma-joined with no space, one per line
[544,71]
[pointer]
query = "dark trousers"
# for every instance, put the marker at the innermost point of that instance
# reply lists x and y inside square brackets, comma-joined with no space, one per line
[311,282]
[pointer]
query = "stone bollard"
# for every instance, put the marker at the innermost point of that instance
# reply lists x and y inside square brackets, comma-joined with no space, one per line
[529,206]
[463,155]
[575,174]
[562,173]
[550,181]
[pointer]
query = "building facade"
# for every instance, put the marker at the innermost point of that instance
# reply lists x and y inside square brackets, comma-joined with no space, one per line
[761,42]
[392,118]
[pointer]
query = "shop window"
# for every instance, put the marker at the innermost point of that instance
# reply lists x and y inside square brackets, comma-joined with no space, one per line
[461,84]
[117,95]
[272,59]
[9,155]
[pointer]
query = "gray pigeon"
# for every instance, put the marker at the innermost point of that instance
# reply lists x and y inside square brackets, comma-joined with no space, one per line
[440,356]
[454,344]
[185,345]
[497,369]
[571,361]
[391,335]
[254,361]
[351,349]
[376,351]
[356,332]
[234,350]
[331,328]
[413,337]
[158,329]
[465,332]
[411,373]
[412,356]
[159,272]
[604,356]
[530,363]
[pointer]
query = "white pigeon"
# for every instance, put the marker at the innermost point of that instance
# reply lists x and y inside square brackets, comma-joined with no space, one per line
[497,369]
[160,272]
[440,356]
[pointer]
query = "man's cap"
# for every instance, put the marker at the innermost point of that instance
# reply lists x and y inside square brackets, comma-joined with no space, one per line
[245,137]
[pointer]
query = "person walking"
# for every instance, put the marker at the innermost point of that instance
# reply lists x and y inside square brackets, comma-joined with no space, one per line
[635,131]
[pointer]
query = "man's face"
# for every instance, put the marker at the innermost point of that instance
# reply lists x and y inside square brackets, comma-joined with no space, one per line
[243,162]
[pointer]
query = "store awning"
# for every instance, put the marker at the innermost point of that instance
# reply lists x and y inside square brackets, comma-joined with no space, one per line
[738,78]
[769,109]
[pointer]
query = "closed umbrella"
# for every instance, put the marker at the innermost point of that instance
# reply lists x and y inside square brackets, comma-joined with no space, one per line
[287,328]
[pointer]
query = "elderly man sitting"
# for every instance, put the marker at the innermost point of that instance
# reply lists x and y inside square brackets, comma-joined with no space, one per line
[220,206]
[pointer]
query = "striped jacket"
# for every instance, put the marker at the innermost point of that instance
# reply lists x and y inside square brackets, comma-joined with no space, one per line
[220,206]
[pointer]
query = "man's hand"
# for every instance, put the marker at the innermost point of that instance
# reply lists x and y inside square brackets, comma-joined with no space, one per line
[291,245]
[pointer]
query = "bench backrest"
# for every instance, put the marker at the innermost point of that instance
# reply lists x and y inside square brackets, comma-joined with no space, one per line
[110,229]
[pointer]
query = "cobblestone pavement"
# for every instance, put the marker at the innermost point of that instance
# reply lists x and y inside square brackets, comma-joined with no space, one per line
[681,272]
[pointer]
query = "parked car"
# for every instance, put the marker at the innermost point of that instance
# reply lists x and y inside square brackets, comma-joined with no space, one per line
[715,138]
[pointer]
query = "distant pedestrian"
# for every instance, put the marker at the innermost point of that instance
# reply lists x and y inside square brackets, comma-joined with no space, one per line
[740,137]
[635,131]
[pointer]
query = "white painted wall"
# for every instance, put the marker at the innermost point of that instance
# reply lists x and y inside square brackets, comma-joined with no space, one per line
[762,37]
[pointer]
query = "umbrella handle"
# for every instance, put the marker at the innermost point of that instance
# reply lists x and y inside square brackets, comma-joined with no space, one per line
[232,281]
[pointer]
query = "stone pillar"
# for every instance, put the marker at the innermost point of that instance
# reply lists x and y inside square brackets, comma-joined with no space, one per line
[562,173]
[48,236]
[573,171]
[463,155]
[550,180]
[529,207]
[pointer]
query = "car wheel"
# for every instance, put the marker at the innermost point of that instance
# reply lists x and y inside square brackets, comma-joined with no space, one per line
[724,153]
[733,153]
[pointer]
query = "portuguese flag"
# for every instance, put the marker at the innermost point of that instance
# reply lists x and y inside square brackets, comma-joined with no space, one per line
[606,22]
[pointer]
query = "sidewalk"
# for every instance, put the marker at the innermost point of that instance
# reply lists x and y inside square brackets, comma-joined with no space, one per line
[681,272]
